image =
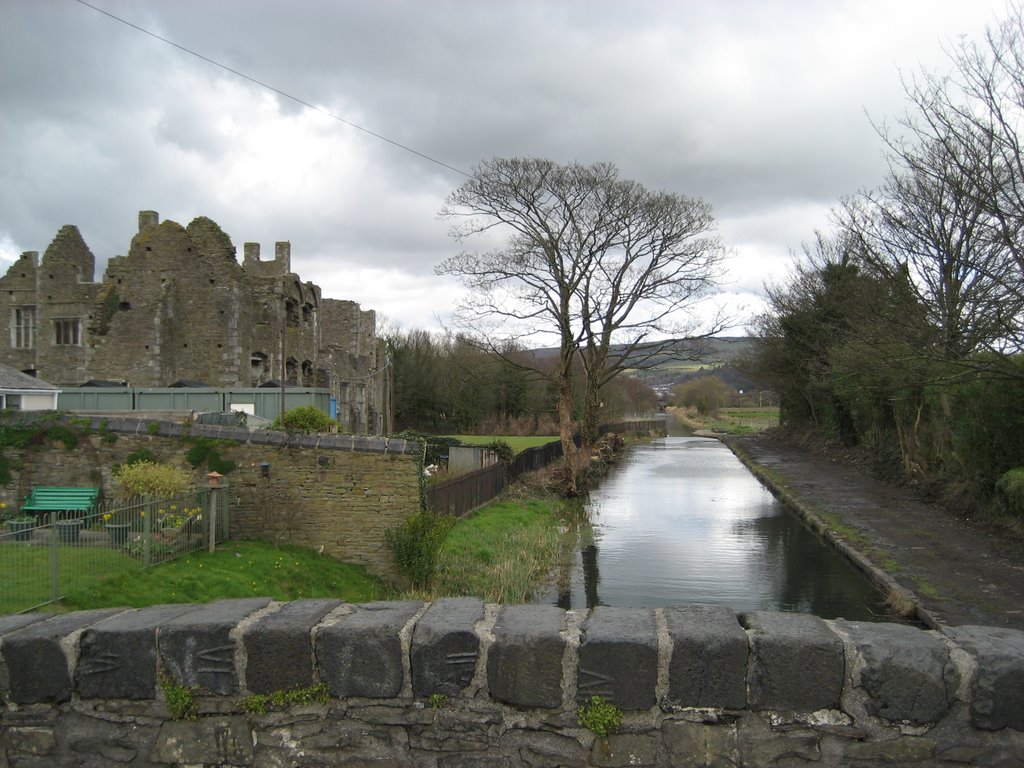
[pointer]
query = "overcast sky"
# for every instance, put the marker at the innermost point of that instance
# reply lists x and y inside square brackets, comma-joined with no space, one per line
[760,107]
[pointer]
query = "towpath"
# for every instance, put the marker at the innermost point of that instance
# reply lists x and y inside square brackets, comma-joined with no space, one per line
[959,571]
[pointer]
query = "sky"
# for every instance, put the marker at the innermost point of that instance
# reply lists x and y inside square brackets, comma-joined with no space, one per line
[763,108]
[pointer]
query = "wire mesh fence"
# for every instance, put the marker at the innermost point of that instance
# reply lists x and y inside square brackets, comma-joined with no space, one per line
[44,557]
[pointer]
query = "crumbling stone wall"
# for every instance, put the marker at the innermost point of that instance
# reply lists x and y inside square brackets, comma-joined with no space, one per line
[179,306]
[460,683]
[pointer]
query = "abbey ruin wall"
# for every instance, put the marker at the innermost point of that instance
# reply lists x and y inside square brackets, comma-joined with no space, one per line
[180,307]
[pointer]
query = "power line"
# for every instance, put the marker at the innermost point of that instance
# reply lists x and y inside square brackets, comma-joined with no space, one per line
[269,87]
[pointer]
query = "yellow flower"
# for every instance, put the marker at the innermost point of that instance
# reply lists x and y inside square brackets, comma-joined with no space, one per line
[107,516]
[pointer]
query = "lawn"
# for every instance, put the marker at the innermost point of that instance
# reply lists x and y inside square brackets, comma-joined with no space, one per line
[519,443]
[236,569]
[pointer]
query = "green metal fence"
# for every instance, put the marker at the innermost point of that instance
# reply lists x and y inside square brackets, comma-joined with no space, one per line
[42,559]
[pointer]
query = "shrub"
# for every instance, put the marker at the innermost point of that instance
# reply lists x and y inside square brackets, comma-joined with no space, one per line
[416,543]
[1011,491]
[206,450]
[307,419]
[149,478]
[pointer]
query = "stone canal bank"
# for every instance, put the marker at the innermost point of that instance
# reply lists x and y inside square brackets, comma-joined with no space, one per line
[958,571]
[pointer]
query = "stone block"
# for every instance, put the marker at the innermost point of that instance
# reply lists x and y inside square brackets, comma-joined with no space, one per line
[524,664]
[997,690]
[117,656]
[543,748]
[279,647]
[698,745]
[10,624]
[445,647]
[906,672]
[197,649]
[207,741]
[618,657]
[361,654]
[37,668]
[708,667]
[626,749]
[796,662]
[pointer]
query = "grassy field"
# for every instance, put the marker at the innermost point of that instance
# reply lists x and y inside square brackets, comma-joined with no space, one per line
[735,421]
[519,443]
[236,569]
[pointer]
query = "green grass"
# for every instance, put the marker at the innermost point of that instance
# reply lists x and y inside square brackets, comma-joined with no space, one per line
[236,569]
[519,443]
[501,553]
[25,571]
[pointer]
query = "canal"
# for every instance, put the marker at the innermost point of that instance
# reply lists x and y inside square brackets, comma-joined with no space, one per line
[680,520]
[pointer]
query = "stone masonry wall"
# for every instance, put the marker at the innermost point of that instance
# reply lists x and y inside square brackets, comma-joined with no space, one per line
[457,683]
[339,492]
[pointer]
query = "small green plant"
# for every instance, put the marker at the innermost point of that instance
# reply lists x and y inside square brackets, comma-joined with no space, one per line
[206,450]
[307,419]
[600,716]
[437,700]
[181,699]
[61,434]
[142,454]
[261,703]
[416,543]
[153,427]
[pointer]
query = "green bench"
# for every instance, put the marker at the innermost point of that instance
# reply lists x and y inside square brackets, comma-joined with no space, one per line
[56,499]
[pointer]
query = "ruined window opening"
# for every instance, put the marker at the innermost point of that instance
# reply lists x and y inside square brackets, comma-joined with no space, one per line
[307,313]
[124,306]
[291,371]
[323,379]
[291,312]
[307,373]
[67,331]
[213,281]
[23,323]
[259,367]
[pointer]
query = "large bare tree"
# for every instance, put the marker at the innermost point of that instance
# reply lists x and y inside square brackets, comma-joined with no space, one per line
[596,266]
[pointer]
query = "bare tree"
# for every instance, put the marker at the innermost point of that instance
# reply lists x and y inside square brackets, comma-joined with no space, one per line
[600,266]
[959,145]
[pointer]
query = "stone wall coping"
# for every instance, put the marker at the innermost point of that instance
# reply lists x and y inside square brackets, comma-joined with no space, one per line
[646,661]
[160,428]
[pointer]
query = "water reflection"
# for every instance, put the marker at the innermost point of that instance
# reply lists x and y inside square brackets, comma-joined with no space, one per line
[681,520]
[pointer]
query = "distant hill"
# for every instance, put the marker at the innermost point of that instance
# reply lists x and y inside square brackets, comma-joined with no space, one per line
[683,359]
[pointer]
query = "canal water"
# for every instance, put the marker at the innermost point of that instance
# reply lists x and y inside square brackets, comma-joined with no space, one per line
[681,521]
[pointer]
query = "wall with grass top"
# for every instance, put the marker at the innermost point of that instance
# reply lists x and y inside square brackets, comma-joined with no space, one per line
[458,682]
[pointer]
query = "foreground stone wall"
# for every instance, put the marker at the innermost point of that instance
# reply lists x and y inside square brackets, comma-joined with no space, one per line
[336,492]
[460,683]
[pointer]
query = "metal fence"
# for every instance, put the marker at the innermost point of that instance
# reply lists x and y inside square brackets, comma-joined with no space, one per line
[461,495]
[42,559]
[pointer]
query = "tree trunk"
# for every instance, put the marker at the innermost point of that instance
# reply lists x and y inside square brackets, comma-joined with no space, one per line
[569,484]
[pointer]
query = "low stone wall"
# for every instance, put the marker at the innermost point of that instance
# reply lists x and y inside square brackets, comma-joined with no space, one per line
[461,683]
[335,492]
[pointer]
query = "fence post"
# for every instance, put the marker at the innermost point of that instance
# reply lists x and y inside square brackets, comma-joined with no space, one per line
[54,559]
[214,478]
[147,532]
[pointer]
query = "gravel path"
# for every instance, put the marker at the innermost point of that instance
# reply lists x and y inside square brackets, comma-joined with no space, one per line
[959,572]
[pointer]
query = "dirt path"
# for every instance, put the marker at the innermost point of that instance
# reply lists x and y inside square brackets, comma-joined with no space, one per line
[959,573]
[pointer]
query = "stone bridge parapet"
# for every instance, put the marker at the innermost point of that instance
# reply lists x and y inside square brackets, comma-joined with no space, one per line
[458,682]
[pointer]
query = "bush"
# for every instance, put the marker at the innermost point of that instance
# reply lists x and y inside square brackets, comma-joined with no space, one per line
[1011,491]
[416,543]
[147,478]
[307,419]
